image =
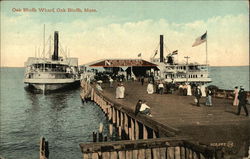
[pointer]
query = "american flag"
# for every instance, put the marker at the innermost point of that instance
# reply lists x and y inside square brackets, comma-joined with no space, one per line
[200,40]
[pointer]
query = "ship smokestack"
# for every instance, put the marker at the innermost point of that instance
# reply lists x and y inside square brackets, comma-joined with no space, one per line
[161,49]
[56,41]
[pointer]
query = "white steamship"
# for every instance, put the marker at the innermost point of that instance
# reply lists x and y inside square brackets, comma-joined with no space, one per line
[51,73]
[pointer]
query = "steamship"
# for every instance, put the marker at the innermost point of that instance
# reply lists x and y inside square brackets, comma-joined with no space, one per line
[51,73]
[172,71]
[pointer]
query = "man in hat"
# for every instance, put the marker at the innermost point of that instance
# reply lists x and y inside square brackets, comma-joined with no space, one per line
[198,95]
[242,101]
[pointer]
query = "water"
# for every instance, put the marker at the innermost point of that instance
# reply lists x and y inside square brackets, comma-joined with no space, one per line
[229,77]
[61,117]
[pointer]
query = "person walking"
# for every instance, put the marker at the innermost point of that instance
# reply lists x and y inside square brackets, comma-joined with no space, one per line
[198,95]
[209,97]
[161,87]
[242,101]
[111,82]
[236,93]
[142,80]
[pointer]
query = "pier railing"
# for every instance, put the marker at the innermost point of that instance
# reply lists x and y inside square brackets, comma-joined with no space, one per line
[161,148]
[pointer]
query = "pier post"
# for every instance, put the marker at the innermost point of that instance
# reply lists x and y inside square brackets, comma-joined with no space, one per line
[145,132]
[117,118]
[126,124]
[132,129]
[111,130]
[137,130]
[110,113]
[114,116]
[44,148]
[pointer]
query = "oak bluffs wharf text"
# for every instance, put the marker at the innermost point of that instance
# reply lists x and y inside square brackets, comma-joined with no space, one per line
[53,10]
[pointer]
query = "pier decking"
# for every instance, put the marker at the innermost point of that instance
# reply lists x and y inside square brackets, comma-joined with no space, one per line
[216,126]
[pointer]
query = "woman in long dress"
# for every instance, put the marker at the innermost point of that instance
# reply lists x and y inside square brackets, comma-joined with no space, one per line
[150,88]
[236,93]
[203,90]
[189,93]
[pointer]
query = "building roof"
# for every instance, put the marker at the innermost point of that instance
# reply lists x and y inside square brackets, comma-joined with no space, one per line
[122,62]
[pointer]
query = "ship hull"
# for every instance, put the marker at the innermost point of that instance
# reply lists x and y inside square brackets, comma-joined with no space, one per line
[53,87]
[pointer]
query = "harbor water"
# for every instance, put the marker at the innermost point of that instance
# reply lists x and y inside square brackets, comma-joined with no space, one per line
[62,118]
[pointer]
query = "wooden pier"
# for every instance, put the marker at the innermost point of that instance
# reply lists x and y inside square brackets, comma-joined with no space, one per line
[173,117]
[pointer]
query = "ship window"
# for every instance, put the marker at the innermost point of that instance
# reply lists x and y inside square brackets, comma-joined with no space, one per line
[201,75]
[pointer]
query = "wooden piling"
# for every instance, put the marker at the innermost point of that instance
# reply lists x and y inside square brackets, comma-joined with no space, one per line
[44,148]
[145,132]
[136,130]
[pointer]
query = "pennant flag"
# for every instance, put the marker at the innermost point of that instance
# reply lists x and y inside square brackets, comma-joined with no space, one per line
[139,55]
[200,40]
[156,51]
[175,52]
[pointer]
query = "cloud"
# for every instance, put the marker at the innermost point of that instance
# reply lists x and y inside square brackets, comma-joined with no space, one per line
[97,38]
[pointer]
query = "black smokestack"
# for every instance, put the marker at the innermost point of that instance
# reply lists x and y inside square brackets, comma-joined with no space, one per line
[55,55]
[161,49]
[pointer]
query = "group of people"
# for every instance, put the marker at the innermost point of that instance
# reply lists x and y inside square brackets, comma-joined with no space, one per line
[158,87]
[240,100]
[198,93]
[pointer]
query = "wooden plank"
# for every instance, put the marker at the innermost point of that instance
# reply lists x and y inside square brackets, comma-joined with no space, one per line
[130,133]
[110,113]
[177,152]
[202,156]
[170,153]
[111,130]
[195,156]
[148,154]
[113,155]
[136,130]
[163,152]
[129,154]
[132,129]
[145,132]
[135,154]
[122,154]
[117,118]
[126,123]
[122,120]
[120,131]
[95,155]
[105,155]
[190,154]
[156,152]
[141,154]
[114,116]
[85,156]
[154,134]
[183,156]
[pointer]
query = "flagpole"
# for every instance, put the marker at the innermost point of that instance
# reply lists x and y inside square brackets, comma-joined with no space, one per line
[206,48]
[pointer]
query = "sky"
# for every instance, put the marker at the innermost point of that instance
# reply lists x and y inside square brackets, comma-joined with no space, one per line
[123,29]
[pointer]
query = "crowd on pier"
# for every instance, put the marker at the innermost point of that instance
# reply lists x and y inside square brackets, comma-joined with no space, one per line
[161,87]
